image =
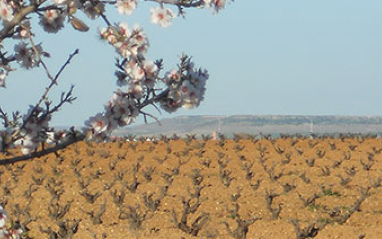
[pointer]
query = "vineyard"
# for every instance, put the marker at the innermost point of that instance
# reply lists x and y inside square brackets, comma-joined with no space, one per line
[259,187]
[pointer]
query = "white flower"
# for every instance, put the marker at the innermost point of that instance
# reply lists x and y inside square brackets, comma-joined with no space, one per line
[189,95]
[134,71]
[3,217]
[52,20]
[29,57]
[150,68]
[137,73]
[26,55]
[171,76]
[162,17]
[126,120]
[172,102]
[197,80]
[99,123]
[186,90]
[139,40]
[121,110]
[16,233]
[123,29]
[126,6]
[108,34]
[118,105]
[126,42]
[53,137]
[22,51]
[27,143]
[6,11]
[4,233]
[151,71]
[123,48]
[136,89]
[51,15]
[215,5]
[28,147]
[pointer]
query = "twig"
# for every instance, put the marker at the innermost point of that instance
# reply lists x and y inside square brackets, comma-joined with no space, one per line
[52,83]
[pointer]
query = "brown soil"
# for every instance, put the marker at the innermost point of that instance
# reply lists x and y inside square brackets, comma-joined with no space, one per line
[268,188]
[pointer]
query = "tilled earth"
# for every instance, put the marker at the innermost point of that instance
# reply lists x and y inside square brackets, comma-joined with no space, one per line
[291,187]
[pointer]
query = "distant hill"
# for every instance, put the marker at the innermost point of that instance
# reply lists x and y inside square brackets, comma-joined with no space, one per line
[252,124]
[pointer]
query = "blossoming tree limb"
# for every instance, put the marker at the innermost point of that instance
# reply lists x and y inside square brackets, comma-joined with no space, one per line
[141,82]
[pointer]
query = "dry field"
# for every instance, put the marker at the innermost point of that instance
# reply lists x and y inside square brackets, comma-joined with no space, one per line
[184,188]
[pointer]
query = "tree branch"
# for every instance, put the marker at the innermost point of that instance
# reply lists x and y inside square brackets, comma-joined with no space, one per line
[180,3]
[9,26]
[41,153]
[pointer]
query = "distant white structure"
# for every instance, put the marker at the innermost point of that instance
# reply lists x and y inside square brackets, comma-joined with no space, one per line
[311,130]
[214,135]
[215,132]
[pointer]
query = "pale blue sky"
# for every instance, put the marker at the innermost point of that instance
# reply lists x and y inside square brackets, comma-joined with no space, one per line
[299,57]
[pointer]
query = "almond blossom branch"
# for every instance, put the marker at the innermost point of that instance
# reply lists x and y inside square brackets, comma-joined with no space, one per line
[138,78]
[73,138]
[8,28]
[34,127]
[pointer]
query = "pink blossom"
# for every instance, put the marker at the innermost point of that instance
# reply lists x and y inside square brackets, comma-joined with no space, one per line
[121,108]
[162,17]
[126,6]
[16,233]
[98,123]
[109,35]
[26,56]
[137,73]
[139,40]
[123,48]
[215,5]
[172,102]
[134,71]
[3,217]
[6,11]
[4,234]
[123,29]
[151,71]
[52,20]
[136,90]
[171,76]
